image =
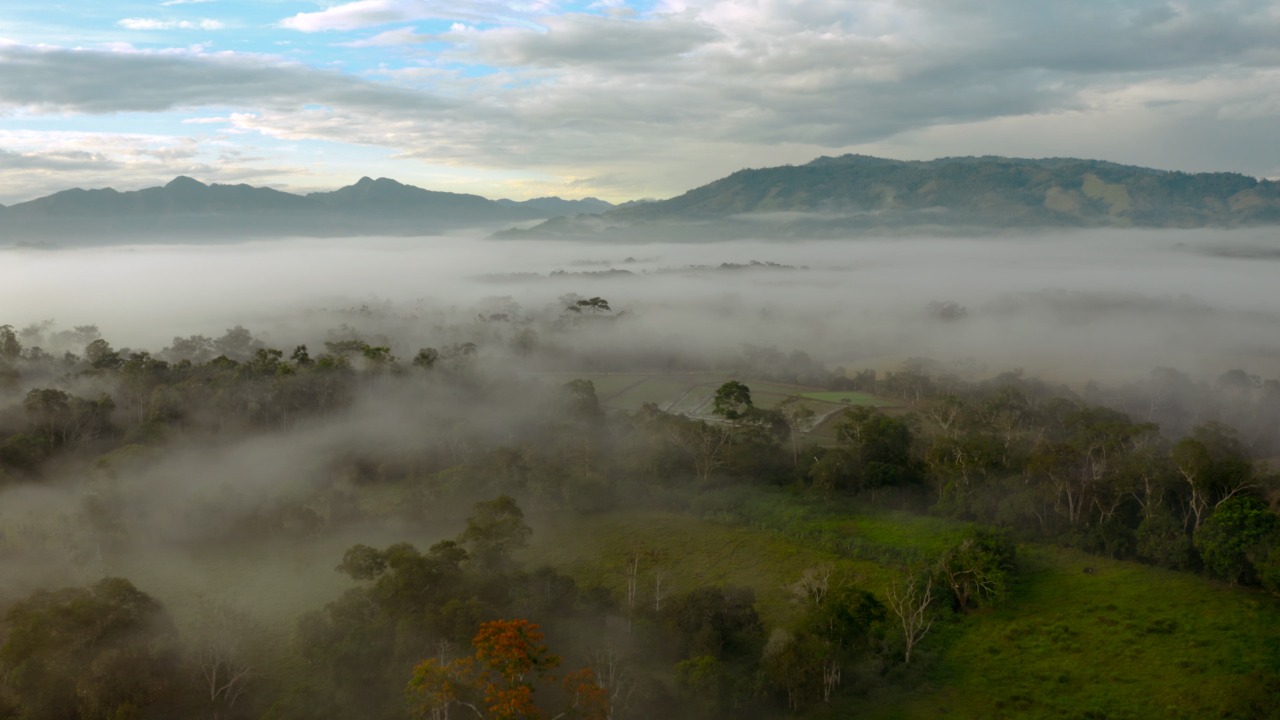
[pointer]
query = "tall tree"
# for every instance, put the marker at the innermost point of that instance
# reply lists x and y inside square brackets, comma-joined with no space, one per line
[495,530]
[97,653]
[500,679]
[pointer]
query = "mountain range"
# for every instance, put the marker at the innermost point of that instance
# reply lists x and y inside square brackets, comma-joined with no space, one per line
[188,209]
[854,194]
[828,197]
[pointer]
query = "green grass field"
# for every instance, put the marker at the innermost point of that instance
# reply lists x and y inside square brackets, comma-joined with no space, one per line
[689,551]
[1124,640]
[1127,641]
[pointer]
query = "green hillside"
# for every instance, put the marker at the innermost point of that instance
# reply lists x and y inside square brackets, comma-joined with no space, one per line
[836,196]
[1078,637]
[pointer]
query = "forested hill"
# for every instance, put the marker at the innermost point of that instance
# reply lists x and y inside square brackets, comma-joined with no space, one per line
[837,195]
[188,208]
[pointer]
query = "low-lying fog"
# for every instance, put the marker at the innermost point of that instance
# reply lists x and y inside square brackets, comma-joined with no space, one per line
[1100,305]
[1106,306]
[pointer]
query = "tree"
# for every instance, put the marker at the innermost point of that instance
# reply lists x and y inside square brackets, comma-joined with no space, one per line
[224,646]
[499,680]
[101,356]
[494,532]
[841,627]
[362,645]
[61,418]
[910,602]
[10,348]
[733,402]
[236,343]
[595,306]
[798,417]
[703,442]
[978,569]
[834,631]
[1240,532]
[1162,540]
[614,678]
[580,402]
[97,653]
[1215,466]
[196,348]
[426,358]
[879,447]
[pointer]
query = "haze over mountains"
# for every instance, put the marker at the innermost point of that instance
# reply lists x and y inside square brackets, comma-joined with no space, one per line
[828,197]
[851,194]
[186,208]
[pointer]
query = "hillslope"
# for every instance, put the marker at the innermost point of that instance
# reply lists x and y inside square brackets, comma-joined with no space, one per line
[836,196]
[1079,636]
[188,209]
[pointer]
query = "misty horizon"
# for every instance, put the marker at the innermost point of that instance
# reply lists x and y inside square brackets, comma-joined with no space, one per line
[1132,297]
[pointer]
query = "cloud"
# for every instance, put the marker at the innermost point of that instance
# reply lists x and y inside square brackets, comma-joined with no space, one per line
[155,24]
[371,13]
[391,38]
[58,161]
[89,81]
[583,39]
[168,3]
[35,163]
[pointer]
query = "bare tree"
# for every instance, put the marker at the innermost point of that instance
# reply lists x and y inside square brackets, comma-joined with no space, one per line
[798,417]
[633,585]
[910,602]
[223,642]
[814,584]
[660,587]
[611,675]
[705,444]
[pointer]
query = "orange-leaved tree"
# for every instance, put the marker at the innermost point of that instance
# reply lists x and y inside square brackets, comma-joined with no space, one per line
[498,681]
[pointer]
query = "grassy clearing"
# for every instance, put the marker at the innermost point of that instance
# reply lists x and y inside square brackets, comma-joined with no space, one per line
[691,393]
[761,539]
[1127,641]
[692,553]
[1123,640]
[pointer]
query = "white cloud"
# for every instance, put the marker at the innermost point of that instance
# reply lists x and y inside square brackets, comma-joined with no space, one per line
[390,38]
[156,24]
[35,163]
[168,3]
[371,13]
[582,39]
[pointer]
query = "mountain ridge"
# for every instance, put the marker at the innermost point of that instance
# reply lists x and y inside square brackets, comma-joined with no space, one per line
[853,194]
[829,196]
[187,208]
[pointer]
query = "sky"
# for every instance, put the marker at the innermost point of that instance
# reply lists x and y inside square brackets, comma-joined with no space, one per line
[617,99]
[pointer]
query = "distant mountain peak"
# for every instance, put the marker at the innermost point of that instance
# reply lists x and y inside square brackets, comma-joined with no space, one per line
[182,182]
